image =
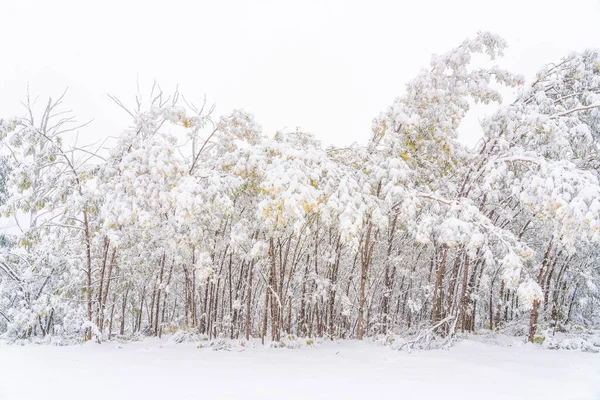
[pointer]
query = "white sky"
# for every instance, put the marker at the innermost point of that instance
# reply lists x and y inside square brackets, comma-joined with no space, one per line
[327,66]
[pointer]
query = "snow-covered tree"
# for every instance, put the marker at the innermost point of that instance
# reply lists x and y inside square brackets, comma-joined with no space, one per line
[184,221]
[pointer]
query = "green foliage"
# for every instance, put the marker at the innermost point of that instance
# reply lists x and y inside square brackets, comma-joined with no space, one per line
[539,339]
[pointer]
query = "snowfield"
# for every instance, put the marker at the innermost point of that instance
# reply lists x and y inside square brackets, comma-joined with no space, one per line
[156,369]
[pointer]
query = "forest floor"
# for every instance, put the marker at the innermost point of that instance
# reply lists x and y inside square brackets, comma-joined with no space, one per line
[161,369]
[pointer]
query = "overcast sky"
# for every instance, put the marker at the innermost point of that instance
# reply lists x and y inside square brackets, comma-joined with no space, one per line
[327,66]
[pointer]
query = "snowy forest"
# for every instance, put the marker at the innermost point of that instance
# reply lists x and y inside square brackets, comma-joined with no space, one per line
[190,222]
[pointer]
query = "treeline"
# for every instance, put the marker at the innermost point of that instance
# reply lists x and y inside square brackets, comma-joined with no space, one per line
[188,222]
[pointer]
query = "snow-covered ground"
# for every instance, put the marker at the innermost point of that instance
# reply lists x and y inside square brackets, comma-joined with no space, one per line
[349,370]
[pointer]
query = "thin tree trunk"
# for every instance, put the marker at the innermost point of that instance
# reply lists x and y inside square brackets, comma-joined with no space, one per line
[88,254]
[122,331]
[366,255]
[533,317]
[100,316]
[438,289]
[388,278]
[160,281]
[249,302]
[463,295]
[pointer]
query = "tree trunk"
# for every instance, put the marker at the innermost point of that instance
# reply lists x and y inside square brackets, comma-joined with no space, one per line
[385,309]
[249,301]
[533,317]
[160,281]
[366,254]
[100,316]
[438,289]
[88,253]
[124,305]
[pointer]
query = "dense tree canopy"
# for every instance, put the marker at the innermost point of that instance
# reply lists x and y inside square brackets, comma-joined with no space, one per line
[191,222]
